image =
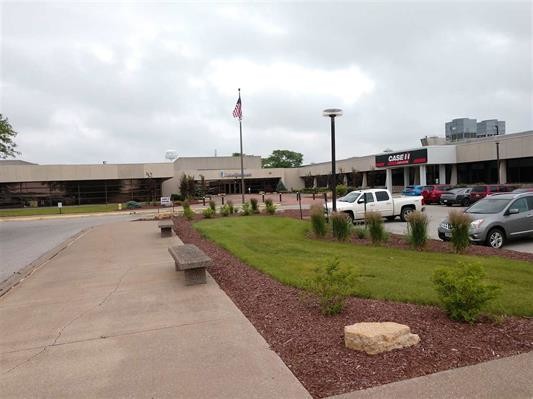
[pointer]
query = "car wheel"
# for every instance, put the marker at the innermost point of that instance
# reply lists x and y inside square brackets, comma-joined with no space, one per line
[466,202]
[406,211]
[349,217]
[496,238]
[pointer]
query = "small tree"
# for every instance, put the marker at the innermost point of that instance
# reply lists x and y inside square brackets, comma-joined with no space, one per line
[7,135]
[187,186]
[280,187]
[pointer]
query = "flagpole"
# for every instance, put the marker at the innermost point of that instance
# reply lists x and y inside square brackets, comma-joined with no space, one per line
[242,163]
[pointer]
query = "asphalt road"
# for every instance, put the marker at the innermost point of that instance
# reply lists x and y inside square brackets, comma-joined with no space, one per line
[22,242]
[438,212]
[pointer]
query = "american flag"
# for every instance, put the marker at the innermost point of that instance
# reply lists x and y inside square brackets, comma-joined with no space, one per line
[237,112]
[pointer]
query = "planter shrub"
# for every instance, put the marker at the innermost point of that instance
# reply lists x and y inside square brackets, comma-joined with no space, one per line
[331,286]
[339,226]
[417,229]
[460,222]
[318,220]
[462,291]
[375,227]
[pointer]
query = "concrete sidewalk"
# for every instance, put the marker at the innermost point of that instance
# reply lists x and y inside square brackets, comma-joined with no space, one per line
[109,317]
[507,378]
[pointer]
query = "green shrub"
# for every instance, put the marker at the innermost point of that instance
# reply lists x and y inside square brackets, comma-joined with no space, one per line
[213,205]
[318,220]
[331,286]
[460,225]
[417,229]
[360,232]
[339,226]
[341,190]
[225,210]
[176,197]
[270,208]
[462,291]
[246,209]
[208,213]
[253,203]
[375,227]
[187,211]
[231,208]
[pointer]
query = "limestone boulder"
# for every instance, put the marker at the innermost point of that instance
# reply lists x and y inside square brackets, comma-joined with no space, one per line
[374,338]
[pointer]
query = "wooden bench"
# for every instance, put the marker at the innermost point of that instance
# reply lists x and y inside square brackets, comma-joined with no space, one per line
[166,227]
[192,261]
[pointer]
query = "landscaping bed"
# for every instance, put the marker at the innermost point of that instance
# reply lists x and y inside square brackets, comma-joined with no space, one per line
[312,345]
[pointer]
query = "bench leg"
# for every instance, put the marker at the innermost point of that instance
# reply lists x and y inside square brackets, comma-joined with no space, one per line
[195,276]
[166,232]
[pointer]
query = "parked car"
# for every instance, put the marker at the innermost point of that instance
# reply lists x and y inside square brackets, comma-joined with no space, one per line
[496,219]
[133,205]
[523,190]
[433,192]
[481,191]
[412,190]
[459,196]
[377,200]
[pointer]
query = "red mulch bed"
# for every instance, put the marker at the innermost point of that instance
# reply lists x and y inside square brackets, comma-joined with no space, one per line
[312,345]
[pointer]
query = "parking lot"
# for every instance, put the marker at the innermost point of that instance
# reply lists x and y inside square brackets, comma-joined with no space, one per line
[438,212]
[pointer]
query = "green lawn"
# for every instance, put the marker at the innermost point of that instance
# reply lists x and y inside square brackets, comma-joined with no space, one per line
[280,248]
[55,211]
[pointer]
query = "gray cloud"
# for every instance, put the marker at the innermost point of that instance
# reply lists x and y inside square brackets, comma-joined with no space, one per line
[87,82]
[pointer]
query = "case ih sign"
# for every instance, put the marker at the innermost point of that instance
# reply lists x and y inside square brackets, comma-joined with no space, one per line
[402,158]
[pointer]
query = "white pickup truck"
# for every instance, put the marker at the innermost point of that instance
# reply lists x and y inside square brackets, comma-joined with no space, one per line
[377,200]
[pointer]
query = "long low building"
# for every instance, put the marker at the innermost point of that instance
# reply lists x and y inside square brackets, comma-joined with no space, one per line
[506,158]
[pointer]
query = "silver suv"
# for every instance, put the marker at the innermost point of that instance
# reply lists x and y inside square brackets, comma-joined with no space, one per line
[497,218]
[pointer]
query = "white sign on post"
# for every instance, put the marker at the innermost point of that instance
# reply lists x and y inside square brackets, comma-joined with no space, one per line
[60,205]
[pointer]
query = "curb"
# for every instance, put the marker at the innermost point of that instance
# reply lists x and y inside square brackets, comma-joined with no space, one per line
[21,275]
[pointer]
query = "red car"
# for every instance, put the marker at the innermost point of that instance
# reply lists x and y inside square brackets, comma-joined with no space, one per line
[433,192]
[479,192]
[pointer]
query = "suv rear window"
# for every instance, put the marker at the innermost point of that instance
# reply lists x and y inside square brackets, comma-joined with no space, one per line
[479,189]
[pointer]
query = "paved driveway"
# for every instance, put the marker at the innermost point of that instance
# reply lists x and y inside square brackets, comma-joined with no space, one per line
[22,242]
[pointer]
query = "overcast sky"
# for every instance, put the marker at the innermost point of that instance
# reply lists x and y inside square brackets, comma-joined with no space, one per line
[84,82]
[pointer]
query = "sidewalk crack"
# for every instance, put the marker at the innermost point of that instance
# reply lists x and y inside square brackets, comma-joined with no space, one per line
[60,332]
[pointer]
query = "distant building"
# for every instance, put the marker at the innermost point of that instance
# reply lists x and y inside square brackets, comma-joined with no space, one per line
[465,128]
[460,129]
[490,127]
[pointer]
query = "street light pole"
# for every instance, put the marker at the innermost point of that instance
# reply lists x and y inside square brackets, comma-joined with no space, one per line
[332,113]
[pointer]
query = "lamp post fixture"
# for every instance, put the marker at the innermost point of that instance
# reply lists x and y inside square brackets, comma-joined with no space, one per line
[332,113]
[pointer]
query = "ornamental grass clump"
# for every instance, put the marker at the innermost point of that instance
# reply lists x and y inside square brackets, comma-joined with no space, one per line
[460,225]
[339,226]
[360,232]
[208,213]
[254,205]
[270,208]
[246,209]
[318,221]
[213,205]
[376,229]
[225,210]
[331,285]
[231,208]
[463,292]
[417,230]
[187,211]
